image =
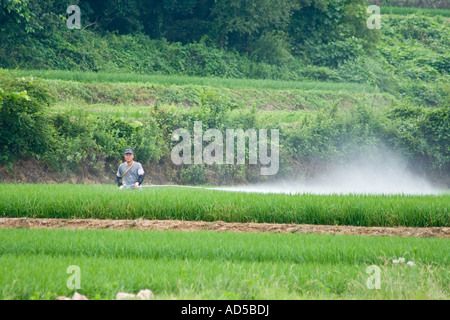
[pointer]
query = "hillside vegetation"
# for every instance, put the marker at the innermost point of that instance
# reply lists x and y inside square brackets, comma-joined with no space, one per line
[339,92]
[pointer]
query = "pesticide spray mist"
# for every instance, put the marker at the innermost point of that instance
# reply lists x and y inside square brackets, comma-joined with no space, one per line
[384,174]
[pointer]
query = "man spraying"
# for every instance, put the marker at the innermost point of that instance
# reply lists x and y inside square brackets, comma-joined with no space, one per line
[130,173]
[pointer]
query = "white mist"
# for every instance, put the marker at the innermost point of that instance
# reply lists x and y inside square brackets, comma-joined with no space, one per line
[387,175]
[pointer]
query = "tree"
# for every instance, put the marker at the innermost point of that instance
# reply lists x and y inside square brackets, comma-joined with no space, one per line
[20,17]
[24,128]
[238,23]
[331,32]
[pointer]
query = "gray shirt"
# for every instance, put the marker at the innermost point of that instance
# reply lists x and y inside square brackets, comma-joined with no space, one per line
[132,175]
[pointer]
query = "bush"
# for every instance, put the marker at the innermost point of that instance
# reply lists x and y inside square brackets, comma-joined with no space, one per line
[423,135]
[86,141]
[334,53]
[193,174]
[272,48]
[438,4]
[371,70]
[24,129]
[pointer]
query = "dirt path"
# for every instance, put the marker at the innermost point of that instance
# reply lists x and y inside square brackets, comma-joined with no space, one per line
[220,226]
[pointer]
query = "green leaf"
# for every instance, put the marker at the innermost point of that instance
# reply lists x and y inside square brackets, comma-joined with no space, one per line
[24,95]
[136,125]
[15,95]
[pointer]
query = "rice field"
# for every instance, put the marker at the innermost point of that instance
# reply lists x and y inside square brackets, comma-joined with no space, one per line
[412,10]
[208,265]
[218,265]
[180,80]
[130,112]
[165,203]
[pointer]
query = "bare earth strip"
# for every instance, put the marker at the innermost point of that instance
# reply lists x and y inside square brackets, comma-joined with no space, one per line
[141,224]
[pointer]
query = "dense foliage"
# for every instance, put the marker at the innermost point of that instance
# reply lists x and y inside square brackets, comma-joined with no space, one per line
[329,41]
[440,4]
[294,40]
[68,141]
[251,26]
[24,130]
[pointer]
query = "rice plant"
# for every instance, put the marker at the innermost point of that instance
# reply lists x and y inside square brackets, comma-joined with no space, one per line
[208,265]
[107,202]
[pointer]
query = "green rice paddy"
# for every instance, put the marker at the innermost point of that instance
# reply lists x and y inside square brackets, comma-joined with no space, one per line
[108,202]
[211,265]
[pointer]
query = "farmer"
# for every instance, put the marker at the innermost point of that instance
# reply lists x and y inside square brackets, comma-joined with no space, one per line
[130,173]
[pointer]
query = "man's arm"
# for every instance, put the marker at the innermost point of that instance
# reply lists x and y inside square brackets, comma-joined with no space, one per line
[141,173]
[119,178]
[141,179]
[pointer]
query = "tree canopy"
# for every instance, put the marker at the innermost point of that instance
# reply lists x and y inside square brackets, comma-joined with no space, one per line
[270,31]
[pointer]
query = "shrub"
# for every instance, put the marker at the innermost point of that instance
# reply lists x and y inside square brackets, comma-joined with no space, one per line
[24,129]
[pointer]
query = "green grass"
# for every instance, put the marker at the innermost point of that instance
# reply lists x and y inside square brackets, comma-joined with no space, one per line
[130,112]
[207,265]
[411,10]
[84,93]
[181,80]
[281,116]
[107,202]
